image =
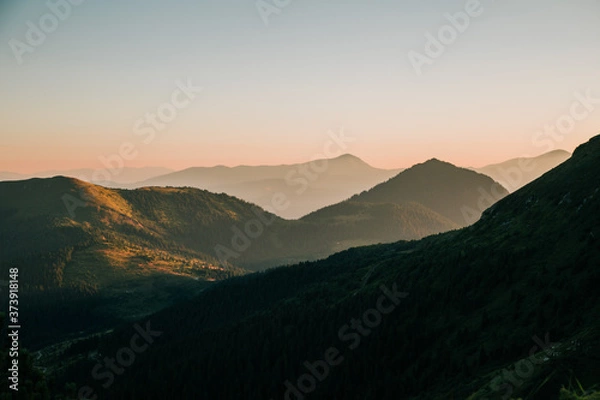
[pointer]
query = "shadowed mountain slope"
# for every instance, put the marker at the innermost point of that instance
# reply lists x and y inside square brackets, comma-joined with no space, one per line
[456,194]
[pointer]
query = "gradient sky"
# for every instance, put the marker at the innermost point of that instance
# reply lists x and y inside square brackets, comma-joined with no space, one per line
[271,93]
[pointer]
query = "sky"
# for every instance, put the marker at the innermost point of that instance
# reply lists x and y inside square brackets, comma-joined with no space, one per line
[271,91]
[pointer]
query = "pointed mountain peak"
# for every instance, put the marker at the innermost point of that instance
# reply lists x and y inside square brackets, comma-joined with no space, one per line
[558,152]
[348,158]
[433,163]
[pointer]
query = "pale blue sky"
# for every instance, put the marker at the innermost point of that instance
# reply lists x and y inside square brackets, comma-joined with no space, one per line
[272,93]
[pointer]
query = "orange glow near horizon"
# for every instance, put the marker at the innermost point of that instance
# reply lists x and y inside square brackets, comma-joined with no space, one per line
[269,96]
[39,160]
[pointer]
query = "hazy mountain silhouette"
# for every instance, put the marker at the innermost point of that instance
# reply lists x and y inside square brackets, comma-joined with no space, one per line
[457,194]
[109,178]
[12,176]
[518,172]
[450,316]
[307,186]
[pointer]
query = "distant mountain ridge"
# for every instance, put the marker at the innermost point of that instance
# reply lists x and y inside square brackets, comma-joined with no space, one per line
[308,186]
[515,173]
[117,177]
